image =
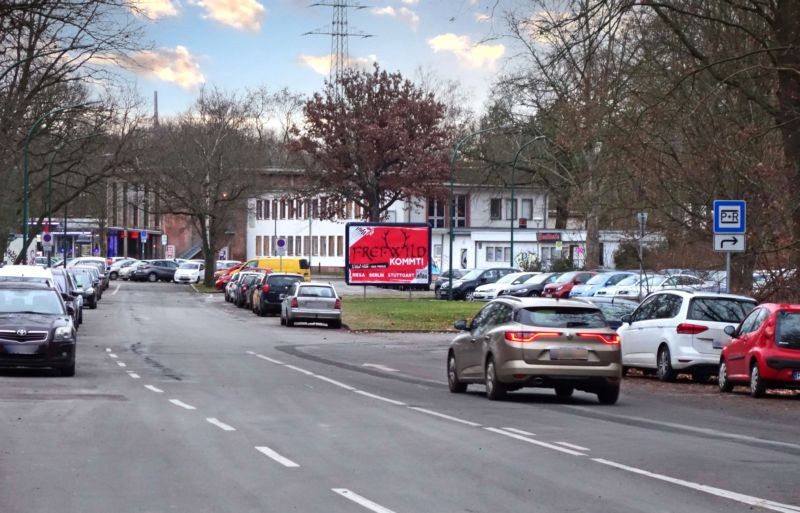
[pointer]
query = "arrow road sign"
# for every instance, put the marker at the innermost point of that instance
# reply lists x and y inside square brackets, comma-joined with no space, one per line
[729,243]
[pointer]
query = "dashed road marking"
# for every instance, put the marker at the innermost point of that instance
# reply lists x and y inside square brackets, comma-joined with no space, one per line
[215,422]
[154,389]
[534,442]
[334,382]
[121,364]
[269,453]
[361,501]
[133,375]
[116,289]
[112,355]
[519,431]
[182,404]
[573,446]
[298,369]
[108,350]
[446,417]
[380,398]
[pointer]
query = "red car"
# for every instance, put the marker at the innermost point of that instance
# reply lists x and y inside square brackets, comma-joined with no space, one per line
[764,351]
[225,275]
[563,285]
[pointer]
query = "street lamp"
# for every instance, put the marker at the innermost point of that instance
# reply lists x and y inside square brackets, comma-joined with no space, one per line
[453,205]
[641,217]
[26,174]
[513,187]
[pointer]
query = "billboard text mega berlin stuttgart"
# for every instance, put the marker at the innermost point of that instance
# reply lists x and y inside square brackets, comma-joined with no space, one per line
[388,254]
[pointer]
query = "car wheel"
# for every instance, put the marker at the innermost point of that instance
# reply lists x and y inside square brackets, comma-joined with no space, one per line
[455,385]
[289,321]
[68,371]
[469,295]
[564,392]
[495,390]
[608,394]
[335,325]
[93,304]
[724,383]
[152,278]
[757,386]
[535,293]
[113,276]
[664,371]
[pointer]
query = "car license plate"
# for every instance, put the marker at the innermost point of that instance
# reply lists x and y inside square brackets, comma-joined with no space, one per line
[22,349]
[569,353]
[796,375]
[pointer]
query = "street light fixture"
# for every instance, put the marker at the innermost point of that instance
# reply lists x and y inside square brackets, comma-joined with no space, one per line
[513,188]
[26,175]
[452,203]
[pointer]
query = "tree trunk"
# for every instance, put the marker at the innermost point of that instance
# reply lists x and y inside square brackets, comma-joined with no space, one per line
[209,251]
[592,253]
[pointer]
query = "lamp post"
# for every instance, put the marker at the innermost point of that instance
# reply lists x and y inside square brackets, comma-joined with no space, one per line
[26,174]
[452,204]
[642,218]
[513,188]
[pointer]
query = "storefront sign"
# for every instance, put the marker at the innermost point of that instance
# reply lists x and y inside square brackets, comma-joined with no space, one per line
[548,236]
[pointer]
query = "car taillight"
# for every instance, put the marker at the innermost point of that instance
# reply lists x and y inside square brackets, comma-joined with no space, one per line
[338,304]
[244,287]
[529,336]
[294,303]
[606,338]
[265,289]
[690,329]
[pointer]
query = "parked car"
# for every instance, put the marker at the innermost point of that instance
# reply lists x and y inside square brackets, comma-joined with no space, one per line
[27,273]
[116,266]
[531,288]
[243,294]
[99,263]
[613,308]
[562,286]
[36,329]
[95,277]
[597,282]
[224,276]
[269,289]
[155,270]
[514,343]
[189,272]
[69,293]
[231,286]
[84,282]
[633,287]
[464,287]
[312,302]
[681,330]
[223,265]
[444,277]
[128,269]
[489,291]
[764,351]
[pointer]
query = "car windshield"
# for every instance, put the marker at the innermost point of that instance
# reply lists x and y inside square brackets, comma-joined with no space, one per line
[189,265]
[61,281]
[82,280]
[789,329]
[472,275]
[562,317]
[30,301]
[538,279]
[717,309]
[630,280]
[315,291]
[565,278]
[509,278]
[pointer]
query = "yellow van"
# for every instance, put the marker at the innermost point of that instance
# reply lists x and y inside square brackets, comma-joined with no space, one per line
[295,265]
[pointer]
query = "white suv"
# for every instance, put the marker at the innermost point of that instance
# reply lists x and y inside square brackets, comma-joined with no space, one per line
[680,330]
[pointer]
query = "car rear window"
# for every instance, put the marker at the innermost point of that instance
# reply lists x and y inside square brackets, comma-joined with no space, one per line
[283,281]
[717,309]
[789,330]
[316,292]
[562,317]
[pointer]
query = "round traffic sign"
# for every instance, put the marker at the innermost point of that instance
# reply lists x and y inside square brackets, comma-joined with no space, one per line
[47,237]
[281,243]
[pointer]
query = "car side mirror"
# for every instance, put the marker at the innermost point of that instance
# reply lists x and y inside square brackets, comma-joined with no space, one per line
[70,310]
[461,325]
[66,297]
[730,331]
[626,319]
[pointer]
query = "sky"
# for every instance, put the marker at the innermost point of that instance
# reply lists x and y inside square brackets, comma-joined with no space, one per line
[237,44]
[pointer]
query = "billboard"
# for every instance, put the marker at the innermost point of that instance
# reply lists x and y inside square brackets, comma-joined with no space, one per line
[388,254]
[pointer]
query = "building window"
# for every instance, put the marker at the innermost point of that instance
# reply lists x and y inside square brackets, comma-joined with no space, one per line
[314,246]
[283,209]
[259,245]
[437,251]
[498,253]
[290,246]
[292,213]
[265,207]
[527,209]
[340,245]
[436,213]
[259,209]
[323,246]
[315,208]
[274,209]
[306,244]
[511,209]
[495,209]
[331,245]
[298,245]
[460,219]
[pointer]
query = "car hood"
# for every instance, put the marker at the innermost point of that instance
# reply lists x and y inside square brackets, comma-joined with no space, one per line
[489,287]
[15,321]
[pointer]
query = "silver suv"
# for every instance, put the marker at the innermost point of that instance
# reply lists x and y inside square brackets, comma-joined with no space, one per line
[535,342]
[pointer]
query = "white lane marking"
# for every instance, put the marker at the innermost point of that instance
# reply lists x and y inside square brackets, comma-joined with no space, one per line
[443,416]
[133,375]
[182,404]
[116,289]
[251,353]
[334,382]
[121,364]
[361,501]
[706,431]
[154,389]
[534,442]
[719,492]
[221,425]
[380,398]
[108,350]
[298,369]
[269,453]
[112,355]
[573,446]
[271,360]
[379,367]
[519,431]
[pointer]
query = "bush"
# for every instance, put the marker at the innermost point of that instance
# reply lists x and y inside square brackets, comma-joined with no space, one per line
[529,262]
[562,265]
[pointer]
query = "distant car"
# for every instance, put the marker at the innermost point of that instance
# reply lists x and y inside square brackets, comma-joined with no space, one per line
[224,276]
[764,351]
[445,277]
[232,285]
[597,282]
[95,277]
[70,293]
[269,289]
[84,282]
[464,287]
[489,291]
[222,265]
[189,272]
[36,328]
[562,286]
[633,287]
[531,288]
[613,308]
[514,343]
[127,269]
[117,265]
[99,263]
[155,270]
[681,330]
[243,294]
[312,302]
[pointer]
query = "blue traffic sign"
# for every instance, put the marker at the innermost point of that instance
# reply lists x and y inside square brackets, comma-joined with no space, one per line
[730,216]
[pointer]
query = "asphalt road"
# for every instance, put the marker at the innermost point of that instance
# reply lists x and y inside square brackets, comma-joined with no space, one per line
[183,403]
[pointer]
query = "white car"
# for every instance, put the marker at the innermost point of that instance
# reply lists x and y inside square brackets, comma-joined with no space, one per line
[189,272]
[630,287]
[29,273]
[117,265]
[490,290]
[680,330]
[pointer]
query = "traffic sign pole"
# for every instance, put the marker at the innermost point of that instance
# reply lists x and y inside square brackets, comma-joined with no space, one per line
[730,225]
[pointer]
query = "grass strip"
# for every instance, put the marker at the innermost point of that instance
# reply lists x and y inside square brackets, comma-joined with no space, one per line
[395,314]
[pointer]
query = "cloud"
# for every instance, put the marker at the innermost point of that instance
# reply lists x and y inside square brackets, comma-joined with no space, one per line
[154,9]
[469,54]
[239,14]
[404,14]
[170,65]
[322,63]
[482,18]
[410,2]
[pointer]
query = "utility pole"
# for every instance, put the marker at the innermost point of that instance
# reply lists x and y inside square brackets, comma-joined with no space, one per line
[642,218]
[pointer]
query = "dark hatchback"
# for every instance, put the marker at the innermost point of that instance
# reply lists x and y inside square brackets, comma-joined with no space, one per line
[36,329]
[155,270]
[269,291]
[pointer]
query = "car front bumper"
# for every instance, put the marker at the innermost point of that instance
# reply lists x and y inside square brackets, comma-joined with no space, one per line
[51,354]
